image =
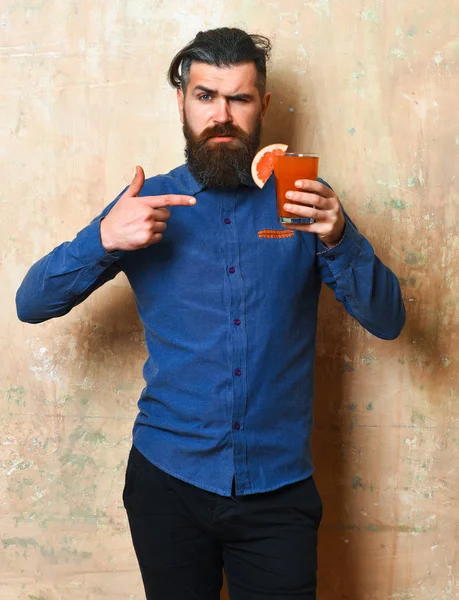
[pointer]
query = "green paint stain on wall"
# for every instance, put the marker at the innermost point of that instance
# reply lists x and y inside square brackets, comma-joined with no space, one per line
[410,281]
[87,514]
[357,483]
[65,399]
[371,206]
[369,357]
[368,14]
[352,407]
[16,394]
[76,555]
[415,259]
[348,366]
[410,529]
[124,387]
[397,203]
[412,31]
[411,181]
[37,597]
[372,528]
[79,460]
[370,406]
[92,436]
[417,416]
[445,361]
[17,541]
[50,554]
[24,483]
[402,595]
[351,131]
[64,554]
[398,52]
[95,437]
[24,517]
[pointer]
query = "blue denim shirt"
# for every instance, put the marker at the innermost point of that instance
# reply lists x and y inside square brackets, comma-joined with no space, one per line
[228,300]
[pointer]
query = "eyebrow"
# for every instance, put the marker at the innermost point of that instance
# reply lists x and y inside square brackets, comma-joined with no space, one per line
[211,92]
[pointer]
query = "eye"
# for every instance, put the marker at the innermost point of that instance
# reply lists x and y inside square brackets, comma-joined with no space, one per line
[205,97]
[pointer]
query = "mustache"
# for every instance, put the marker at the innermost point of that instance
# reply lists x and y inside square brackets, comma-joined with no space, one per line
[227,129]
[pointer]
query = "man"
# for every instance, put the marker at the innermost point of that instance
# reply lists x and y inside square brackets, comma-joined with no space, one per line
[220,472]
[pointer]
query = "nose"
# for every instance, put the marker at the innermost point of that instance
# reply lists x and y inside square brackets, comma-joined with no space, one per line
[222,112]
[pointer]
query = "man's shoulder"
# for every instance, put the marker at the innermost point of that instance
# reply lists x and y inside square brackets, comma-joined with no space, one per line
[177,181]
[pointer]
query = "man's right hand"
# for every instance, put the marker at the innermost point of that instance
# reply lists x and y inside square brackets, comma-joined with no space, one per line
[135,222]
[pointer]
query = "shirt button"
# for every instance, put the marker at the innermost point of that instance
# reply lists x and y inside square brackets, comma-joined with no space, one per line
[228,221]
[238,372]
[236,426]
[331,257]
[232,270]
[237,322]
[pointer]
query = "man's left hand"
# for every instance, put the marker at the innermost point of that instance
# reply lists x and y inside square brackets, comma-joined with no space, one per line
[318,202]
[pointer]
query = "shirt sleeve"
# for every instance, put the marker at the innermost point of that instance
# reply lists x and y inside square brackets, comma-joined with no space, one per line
[369,291]
[67,275]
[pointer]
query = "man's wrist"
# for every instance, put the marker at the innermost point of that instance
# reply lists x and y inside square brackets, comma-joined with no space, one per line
[329,244]
[105,239]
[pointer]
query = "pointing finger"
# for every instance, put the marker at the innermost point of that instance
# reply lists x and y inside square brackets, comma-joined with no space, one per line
[168,200]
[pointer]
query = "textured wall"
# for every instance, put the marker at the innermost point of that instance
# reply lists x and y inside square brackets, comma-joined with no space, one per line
[372,87]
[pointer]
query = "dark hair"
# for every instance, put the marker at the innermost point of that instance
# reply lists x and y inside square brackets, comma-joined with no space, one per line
[223,47]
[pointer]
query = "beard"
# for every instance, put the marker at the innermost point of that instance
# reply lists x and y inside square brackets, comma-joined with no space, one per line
[221,164]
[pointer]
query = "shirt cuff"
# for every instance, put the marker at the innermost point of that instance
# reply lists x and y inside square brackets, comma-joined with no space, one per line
[345,251]
[89,249]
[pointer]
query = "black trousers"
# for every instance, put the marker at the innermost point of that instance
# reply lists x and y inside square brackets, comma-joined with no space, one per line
[184,537]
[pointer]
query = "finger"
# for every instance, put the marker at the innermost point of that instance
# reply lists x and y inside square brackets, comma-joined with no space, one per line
[315,187]
[168,200]
[159,226]
[310,199]
[137,183]
[304,211]
[161,214]
[310,227]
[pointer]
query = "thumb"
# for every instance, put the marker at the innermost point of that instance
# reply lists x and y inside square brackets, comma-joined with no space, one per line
[137,182]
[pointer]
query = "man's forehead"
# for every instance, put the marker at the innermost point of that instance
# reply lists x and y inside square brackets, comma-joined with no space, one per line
[231,78]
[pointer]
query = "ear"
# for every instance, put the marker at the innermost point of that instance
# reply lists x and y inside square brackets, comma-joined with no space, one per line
[265,104]
[181,104]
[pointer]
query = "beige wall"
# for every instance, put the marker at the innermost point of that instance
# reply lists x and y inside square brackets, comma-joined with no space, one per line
[372,87]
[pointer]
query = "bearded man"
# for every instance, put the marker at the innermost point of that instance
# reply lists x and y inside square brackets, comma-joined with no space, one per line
[220,475]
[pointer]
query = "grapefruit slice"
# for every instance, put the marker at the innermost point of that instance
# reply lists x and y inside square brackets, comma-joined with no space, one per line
[263,162]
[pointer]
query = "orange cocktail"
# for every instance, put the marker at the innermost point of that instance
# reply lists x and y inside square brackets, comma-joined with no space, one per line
[288,168]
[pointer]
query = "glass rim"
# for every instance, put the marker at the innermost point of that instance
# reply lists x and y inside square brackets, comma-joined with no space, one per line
[295,154]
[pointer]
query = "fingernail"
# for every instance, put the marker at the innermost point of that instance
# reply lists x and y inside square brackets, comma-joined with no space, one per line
[298,183]
[287,206]
[289,195]
[192,200]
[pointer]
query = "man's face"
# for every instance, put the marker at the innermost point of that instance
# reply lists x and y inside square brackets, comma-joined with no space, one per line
[222,114]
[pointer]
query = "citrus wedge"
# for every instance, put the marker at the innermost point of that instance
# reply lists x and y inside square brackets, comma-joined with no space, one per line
[263,162]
